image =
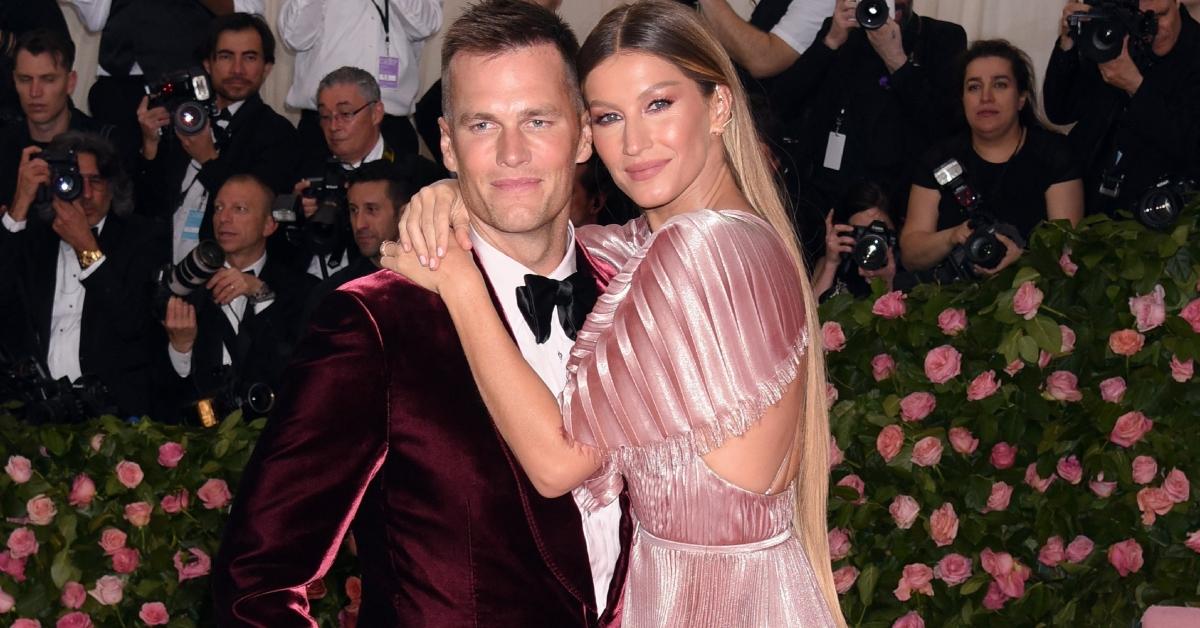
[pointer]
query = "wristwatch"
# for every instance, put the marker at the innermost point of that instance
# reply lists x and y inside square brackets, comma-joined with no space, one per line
[263,294]
[87,258]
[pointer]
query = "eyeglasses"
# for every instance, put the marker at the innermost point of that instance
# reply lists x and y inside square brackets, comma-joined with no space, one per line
[345,117]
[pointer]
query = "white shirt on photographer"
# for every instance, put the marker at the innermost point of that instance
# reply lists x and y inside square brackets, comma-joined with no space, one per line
[799,26]
[233,311]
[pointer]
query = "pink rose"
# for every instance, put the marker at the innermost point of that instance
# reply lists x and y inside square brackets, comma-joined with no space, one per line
[1145,469]
[83,490]
[126,560]
[1068,267]
[1052,553]
[1126,342]
[1125,557]
[890,305]
[175,502]
[1063,386]
[1191,314]
[169,454]
[73,595]
[1079,549]
[41,510]
[108,590]
[831,394]
[1193,542]
[1153,502]
[12,566]
[1149,309]
[138,513]
[19,469]
[844,578]
[1043,360]
[1027,300]
[839,544]
[1037,482]
[1003,456]
[1182,371]
[199,565]
[856,483]
[1177,487]
[1070,469]
[354,589]
[22,542]
[74,620]
[129,473]
[911,619]
[999,497]
[348,616]
[1014,367]
[963,441]
[915,578]
[882,367]
[111,540]
[943,364]
[1101,488]
[154,614]
[917,406]
[214,494]
[96,442]
[889,442]
[1112,389]
[943,525]
[952,320]
[995,598]
[1009,574]
[7,602]
[24,622]
[927,452]
[953,569]
[983,386]
[834,338]
[1130,428]
[904,511]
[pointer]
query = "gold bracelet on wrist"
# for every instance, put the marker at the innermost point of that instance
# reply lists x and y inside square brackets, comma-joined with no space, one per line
[87,258]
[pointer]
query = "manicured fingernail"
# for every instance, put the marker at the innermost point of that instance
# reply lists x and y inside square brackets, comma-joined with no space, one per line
[421,258]
[441,252]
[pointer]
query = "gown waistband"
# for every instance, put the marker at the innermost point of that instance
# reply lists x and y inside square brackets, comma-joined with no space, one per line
[767,543]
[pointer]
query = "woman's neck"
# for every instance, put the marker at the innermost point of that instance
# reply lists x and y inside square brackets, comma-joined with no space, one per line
[715,188]
[1000,147]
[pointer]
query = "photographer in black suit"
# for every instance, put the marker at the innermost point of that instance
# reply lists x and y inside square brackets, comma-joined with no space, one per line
[181,173]
[242,327]
[74,285]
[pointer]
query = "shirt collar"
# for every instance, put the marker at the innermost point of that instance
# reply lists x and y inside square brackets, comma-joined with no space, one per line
[257,266]
[99,227]
[375,154]
[506,274]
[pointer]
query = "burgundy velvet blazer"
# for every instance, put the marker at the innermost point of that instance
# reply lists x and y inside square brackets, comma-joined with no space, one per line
[381,426]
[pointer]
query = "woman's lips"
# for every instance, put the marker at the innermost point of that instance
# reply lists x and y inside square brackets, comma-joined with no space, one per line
[646,169]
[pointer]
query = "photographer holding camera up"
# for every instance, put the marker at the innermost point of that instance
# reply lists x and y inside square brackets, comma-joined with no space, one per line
[976,197]
[1127,75]
[860,245]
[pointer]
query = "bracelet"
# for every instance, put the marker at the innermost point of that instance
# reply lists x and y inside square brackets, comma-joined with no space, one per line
[264,293]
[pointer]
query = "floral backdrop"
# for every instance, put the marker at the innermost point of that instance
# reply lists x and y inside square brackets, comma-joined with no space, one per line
[1013,452]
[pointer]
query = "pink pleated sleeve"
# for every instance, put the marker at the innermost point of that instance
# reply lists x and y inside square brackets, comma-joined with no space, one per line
[698,334]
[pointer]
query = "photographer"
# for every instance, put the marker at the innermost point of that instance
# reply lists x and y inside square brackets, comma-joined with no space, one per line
[1020,172]
[868,102]
[16,20]
[180,172]
[766,53]
[242,327]
[74,281]
[850,262]
[1135,115]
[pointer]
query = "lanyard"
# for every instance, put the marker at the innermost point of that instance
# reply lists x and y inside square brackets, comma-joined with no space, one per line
[385,15]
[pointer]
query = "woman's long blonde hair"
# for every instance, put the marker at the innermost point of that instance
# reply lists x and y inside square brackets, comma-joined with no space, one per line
[670,31]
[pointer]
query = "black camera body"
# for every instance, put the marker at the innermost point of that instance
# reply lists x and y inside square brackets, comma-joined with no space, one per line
[873,14]
[65,181]
[1160,206]
[322,232]
[187,96]
[982,248]
[254,399]
[189,275]
[52,401]
[871,246]
[1100,33]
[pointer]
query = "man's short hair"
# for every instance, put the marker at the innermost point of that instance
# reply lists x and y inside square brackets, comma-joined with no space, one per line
[495,27]
[47,41]
[367,86]
[108,163]
[404,177]
[256,181]
[236,23]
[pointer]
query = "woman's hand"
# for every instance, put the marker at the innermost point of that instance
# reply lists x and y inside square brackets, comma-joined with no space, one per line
[837,242]
[1012,254]
[426,222]
[458,267]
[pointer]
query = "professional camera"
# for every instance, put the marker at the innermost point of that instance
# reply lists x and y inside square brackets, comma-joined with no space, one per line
[187,97]
[873,14]
[322,232]
[982,248]
[45,400]
[254,399]
[190,274]
[1161,205]
[871,245]
[1101,31]
[65,181]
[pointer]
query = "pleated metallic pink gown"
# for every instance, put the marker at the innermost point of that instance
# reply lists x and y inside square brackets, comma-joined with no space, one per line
[697,335]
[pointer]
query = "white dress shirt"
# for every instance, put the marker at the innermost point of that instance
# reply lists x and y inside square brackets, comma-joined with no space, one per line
[189,216]
[601,529]
[798,27]
[329,34]
[94,14]
[66,314]
[182,361]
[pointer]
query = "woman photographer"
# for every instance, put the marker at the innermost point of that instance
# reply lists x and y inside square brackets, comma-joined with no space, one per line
[1021,172]
[846,266]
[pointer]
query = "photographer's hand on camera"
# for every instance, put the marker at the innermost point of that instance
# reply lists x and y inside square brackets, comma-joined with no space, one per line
[1122,73]
[307,202]
[1012,254]
[151,122]
[843,22]
[1065,41]
[887,273]
[71,224]
[31,174]
[180,324]
[230,283]
[200,146]
[888,45]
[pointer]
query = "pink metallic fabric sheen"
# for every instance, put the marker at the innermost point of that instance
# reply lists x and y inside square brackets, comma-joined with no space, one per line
[700,331]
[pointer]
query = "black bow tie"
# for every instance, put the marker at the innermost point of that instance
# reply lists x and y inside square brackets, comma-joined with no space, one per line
[573,296]
[223,115]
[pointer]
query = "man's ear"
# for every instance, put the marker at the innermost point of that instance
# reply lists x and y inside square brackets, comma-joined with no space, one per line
[584,151]
[207,66]
[72,78]
[270,225]
[377,113]
[449,159]
[267,71]
[720,109]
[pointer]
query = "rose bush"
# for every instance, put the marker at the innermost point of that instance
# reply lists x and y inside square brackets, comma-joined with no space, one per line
[1032,439]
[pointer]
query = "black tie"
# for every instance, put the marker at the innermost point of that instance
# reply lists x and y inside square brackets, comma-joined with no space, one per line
[573,296]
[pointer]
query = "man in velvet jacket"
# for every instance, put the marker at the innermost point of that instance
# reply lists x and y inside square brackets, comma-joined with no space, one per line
[380,428]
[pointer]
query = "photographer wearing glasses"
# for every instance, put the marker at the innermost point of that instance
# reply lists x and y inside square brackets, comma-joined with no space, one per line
[1126,73]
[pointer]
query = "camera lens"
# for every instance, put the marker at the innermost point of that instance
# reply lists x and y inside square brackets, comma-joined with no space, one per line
[260,399]
[870,253]
[194,270]
[872,14]
[67,185]
[190,118]
[985,250]
[1159,209]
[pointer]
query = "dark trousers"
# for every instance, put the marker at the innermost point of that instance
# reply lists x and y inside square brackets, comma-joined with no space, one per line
[397,132]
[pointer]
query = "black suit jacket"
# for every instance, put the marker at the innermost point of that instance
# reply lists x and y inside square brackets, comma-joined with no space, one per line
[114,341]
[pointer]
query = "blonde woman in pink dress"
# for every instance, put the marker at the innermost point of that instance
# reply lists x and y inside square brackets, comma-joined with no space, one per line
[697,382]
